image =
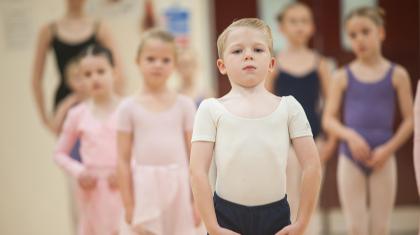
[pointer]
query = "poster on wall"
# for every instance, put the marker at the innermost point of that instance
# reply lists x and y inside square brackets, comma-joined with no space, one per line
[16,26]
[177,21]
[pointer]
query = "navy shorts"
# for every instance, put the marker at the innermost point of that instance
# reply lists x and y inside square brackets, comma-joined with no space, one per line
[265,219]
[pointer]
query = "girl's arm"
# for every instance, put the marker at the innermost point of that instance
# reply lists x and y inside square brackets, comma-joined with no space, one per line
[324,72]
[125,180]
[401,82]
[60,115]
[416,154]
[44,40]
[307,154]
[66,141]
[108,41]
[331,123]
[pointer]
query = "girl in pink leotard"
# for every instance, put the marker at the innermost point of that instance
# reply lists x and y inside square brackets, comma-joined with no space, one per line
[93,122]
[154,132]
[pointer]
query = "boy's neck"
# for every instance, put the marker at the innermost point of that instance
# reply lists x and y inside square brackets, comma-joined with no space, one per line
[75,13]
[249,91]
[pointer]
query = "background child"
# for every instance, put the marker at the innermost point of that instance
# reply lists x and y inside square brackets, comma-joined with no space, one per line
[248,131]
[154,129]
[93,122]
[304,74]
[416,153]
[368,88]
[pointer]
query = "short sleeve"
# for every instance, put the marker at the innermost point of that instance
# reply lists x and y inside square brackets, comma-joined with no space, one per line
[298,123]
[124,116]
[204,124]
[188,115]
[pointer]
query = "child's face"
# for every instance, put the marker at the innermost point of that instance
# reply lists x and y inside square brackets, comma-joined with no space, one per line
[246,59]
[186,65]
[98,74]
[297,25]
[75,80]
[365,36]
[156,62]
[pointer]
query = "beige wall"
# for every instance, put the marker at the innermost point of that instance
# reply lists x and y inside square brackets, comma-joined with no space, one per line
[33,198]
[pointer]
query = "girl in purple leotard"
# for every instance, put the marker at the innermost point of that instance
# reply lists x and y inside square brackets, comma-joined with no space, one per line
[368,89]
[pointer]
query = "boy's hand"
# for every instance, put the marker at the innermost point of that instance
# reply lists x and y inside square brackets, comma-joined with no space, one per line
[87,180]
[197,217]
[223,231]
[293,229]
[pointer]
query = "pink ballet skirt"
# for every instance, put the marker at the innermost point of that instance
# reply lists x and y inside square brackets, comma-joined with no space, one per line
[100,208]
[163,203]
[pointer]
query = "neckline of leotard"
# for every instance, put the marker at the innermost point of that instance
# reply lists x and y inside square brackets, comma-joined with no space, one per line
[384,77]
[304,75]
[78,43]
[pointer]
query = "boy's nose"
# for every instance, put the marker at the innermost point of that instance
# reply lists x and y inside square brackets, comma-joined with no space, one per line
[248,55]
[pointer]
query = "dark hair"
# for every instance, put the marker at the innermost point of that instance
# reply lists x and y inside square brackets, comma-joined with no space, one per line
[97,50]
[376,14]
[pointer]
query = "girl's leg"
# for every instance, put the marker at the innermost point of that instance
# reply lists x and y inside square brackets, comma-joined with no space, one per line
[382,190]
[352,190]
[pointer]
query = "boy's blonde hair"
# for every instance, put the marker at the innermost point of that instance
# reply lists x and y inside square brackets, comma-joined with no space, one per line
[376,14]
[254,23]
[156,33]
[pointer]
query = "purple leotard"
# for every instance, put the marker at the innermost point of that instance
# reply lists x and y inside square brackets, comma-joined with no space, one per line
[369,109]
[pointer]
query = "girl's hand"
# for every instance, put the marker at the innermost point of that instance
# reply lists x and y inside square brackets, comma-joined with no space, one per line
[112,181]
[359,148]
[87,180]
[379,156]
[327,150]
[293,229]
[129,215]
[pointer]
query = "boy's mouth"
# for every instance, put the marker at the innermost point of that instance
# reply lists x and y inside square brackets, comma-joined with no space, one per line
[249,68]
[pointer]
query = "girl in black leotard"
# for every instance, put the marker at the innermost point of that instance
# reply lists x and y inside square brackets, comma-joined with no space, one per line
[304,74]
[67,37]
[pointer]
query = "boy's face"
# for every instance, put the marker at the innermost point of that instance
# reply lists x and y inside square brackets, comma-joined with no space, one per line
[246,59]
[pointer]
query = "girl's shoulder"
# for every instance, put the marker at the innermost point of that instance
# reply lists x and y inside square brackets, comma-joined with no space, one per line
[400,75]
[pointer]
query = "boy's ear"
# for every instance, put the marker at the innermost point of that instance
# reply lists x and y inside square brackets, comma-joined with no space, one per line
[272,64]
[221,66]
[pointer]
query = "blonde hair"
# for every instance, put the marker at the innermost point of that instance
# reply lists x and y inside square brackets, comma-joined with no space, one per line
[280,16]
[156,33]
[376,14]
[254,23]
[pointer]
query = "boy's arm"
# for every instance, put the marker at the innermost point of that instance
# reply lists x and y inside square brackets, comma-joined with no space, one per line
[200,160]
[307,154]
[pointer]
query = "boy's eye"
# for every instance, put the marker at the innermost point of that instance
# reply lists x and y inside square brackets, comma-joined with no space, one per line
[258,50]
[237,51]
[352,35]
[150,59]
[88,74]
[101,71]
